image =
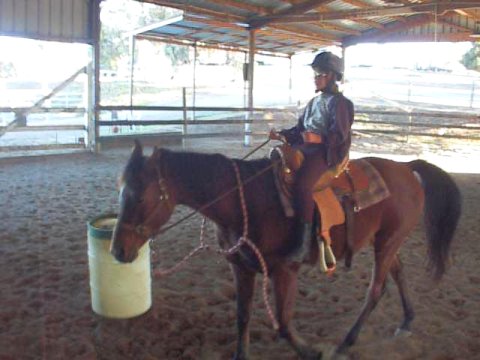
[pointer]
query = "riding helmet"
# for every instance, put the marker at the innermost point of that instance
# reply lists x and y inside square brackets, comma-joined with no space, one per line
[326,61]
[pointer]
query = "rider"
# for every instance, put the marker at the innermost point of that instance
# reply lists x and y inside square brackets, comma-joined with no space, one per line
[323,135]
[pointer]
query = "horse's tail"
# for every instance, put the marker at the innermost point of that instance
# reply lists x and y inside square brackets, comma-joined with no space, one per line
[443,205]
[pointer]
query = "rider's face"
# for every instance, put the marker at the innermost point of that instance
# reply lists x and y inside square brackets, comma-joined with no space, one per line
[322,79]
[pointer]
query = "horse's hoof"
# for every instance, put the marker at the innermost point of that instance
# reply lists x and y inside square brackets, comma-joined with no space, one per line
[337,354]
[311,354]
[240,357]
[402,333]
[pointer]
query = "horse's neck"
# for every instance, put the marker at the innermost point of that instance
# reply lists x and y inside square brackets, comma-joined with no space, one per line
[200,179]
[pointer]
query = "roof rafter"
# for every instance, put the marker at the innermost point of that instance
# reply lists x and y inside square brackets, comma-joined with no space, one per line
[242,5]
[282,35]
[333,27]
[299,8]
[377,35]
[296,25]
[198,10]
[452,37]
[262,10]
[439,6]
[363,4]
[444,21]
[468,13]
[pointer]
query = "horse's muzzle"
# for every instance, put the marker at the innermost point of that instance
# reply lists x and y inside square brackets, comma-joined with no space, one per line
[122,256]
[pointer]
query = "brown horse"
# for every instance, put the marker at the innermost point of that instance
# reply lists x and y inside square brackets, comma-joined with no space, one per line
[153,185]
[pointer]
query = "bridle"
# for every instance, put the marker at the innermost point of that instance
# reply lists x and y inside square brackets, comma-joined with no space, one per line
[164,200]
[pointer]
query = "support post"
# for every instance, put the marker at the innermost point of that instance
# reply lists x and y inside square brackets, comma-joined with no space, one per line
[245,79]
[251,65]
[184,104]
[194,77]
[89,105]
[96,27]
[290,79]
[472,94]
[185,118]
[132,67]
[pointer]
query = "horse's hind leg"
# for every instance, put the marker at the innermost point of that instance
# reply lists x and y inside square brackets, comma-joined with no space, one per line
[397,274]
[285,289]
[384,255]
[245,286]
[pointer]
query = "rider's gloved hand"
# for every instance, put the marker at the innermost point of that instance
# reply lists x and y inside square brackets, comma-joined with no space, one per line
[274,135]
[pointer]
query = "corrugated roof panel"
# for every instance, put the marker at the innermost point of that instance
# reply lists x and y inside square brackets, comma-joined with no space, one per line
[55,15]
[20,15]
[357,25]
[227,38]
[340,6]
[207,36]
[353,25]
[32,16]
[192,29]
[60,20]
[6,15]
[192,24]
[80,22]
[169,30]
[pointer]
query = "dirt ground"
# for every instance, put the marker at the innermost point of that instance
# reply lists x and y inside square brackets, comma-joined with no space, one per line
[45,309]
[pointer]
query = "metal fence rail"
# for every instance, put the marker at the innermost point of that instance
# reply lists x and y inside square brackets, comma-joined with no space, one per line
[463,125]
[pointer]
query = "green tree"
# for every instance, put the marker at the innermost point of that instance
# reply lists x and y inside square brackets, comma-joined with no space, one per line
[113,47]
[119,18]
[471,59]
[177,54]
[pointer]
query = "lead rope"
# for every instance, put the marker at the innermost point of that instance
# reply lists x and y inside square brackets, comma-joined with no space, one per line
[242,240]
[258,254]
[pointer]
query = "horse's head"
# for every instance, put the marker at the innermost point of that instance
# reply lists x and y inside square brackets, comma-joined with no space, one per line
[145,204]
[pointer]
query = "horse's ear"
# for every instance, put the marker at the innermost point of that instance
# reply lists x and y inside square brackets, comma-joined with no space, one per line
[156,153]
[135,162]
[137,151]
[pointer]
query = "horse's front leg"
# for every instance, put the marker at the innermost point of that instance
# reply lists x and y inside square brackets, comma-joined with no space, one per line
[285,288]
[245,286]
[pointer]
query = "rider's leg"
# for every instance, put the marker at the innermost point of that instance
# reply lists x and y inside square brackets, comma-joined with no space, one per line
[312,169]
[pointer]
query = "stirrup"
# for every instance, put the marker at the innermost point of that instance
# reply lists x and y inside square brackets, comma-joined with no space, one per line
[327,260]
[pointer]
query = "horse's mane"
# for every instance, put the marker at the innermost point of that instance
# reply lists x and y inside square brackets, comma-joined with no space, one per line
[207,175]
[196,170]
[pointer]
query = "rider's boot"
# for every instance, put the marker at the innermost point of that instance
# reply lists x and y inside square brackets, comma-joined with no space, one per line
[303,233]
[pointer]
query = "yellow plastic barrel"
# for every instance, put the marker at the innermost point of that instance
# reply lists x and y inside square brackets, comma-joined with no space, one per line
[117,290]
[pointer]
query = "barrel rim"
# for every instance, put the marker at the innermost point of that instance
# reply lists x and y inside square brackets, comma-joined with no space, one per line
[104,234]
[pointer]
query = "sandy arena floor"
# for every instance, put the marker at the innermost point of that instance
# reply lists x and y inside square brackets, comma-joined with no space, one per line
[45,310]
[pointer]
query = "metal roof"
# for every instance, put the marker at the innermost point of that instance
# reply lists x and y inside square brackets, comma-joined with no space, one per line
[288,27]
[205,31]
[62,20]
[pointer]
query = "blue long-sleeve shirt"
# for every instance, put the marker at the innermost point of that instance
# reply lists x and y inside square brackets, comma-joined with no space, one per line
[331,116]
